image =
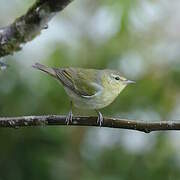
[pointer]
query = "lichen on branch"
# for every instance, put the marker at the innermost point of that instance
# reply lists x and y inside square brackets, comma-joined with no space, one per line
[28,26]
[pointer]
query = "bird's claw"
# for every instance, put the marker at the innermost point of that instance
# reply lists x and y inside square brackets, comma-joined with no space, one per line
[100,119]
[69,117]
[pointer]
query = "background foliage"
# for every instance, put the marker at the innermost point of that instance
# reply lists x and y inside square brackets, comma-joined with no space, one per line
[140,39]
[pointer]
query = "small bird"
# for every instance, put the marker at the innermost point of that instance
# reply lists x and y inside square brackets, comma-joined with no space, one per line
[88,88]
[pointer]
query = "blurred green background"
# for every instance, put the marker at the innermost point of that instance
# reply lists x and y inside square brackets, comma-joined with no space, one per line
[140,39]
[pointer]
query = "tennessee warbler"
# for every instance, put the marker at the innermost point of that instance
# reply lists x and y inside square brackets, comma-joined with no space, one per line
[88,88]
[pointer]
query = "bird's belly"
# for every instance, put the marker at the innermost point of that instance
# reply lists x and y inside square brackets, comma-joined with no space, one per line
[95,102]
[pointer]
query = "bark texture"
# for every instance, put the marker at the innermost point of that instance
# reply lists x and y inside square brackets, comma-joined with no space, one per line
[28,26]
[49,120]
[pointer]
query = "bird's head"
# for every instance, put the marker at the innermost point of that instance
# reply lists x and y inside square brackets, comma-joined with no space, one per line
[115,81]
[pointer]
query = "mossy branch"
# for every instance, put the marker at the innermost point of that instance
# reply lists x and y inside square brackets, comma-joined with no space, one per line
[49,120]
[28,26]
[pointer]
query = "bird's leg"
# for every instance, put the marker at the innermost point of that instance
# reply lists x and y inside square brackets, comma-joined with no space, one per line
[69,117]
[100,118]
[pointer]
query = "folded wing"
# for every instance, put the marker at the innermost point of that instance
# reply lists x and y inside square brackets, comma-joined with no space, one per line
[83,82]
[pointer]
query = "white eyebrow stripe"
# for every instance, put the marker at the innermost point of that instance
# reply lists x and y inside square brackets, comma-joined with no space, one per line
[115,75]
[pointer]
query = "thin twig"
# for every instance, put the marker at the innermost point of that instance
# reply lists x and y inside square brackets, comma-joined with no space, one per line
[49,120]
[28,26]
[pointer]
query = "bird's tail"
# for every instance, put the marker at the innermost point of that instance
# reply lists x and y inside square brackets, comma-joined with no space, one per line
[45,69]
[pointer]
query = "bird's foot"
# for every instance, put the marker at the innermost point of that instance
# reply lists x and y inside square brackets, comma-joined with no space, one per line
[69,117]
[100,118]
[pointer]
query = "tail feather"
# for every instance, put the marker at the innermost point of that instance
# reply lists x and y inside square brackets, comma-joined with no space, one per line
[44,69]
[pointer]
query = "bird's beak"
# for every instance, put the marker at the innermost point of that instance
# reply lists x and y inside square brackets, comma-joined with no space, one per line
[130,82]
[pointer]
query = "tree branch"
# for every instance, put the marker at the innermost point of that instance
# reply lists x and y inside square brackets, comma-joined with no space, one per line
[28,26]
[147,127]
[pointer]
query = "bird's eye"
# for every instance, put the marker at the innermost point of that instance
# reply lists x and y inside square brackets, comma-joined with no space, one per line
[117,78]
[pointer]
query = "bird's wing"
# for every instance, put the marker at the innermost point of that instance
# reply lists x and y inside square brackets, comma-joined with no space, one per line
[83,82]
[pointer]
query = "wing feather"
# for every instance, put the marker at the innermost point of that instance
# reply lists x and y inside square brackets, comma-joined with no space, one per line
[80,81]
